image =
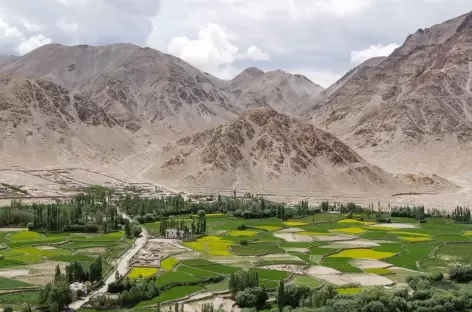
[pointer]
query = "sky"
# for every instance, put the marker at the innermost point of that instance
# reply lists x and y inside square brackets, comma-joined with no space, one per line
[321,39]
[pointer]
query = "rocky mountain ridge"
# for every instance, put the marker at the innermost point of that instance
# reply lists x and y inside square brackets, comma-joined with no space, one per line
[143,88]
[415,104]
[264,149]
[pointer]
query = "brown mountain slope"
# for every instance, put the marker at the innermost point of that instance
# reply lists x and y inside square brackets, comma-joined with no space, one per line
[278,90]
[144,89]
[42,122]
[266,150]
[137,86]
[7,59]
[413,110]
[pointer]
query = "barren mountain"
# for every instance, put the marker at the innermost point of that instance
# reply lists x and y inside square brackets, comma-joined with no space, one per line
[43,122]
[278,90]
[139,87]
[7,59]
[267,150]
[145,89]
[413,110]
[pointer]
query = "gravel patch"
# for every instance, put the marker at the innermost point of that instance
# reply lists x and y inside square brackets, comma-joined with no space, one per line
[321,270]
[333,238]
[13,229]
[295,249]
[352,244]
[370,264]
[298,269]
[292,237]
[46,247]
[14,273]
[395,225]
[369,279]
[360,279]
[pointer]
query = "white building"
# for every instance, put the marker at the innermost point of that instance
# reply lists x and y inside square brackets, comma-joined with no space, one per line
[172,233]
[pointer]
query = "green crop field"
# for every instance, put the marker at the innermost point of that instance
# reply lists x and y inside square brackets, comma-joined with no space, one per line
[174,277]
[197,262]
[221,269]
[216,287]
[199,272]
[340,264]
[247,251]
[271,274]
[31,297]
[447,256]
[6,283]
[414,252]
[173,293]
[307,281]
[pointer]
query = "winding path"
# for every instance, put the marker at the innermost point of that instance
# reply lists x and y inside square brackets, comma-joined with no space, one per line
[122,267]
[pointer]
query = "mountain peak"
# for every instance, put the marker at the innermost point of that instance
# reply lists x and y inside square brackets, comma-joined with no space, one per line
[466,24]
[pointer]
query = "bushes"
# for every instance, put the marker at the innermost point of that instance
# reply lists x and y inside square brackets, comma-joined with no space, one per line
[79,228]
[461,273]
[436,277]
[243,242]
[252,297]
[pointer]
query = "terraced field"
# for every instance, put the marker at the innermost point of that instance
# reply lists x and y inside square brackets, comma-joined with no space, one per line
[326,248]
[28,259]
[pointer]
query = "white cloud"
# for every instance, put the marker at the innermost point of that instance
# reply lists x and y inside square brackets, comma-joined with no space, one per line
[359,56]
[67,27]
[256,54]
[213,51]
[31,43]
[9,32]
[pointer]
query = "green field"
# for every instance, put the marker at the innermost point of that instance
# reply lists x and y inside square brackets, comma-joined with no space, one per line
[446,256]
[199,272]
[30,297]
[303,280]
[271,274]
[6,283]
[174,277]
[221,269]
[174,293]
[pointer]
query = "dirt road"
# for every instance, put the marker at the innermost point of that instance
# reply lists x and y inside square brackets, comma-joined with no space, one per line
[122,267]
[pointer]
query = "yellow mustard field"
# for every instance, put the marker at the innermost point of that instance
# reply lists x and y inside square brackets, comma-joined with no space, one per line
[168,263]
[414,239]
[142,272]
[411,233]
[212,245]
[361,253]
[313,233]
[294,223]
[352,230]
[242,233]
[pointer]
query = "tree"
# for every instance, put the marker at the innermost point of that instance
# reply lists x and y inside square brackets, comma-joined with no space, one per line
[57,275]
[8,309]
[95,272]
[54,307]
[461,273]
[28,308]
[252,297]
[280,295]
[127,229]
